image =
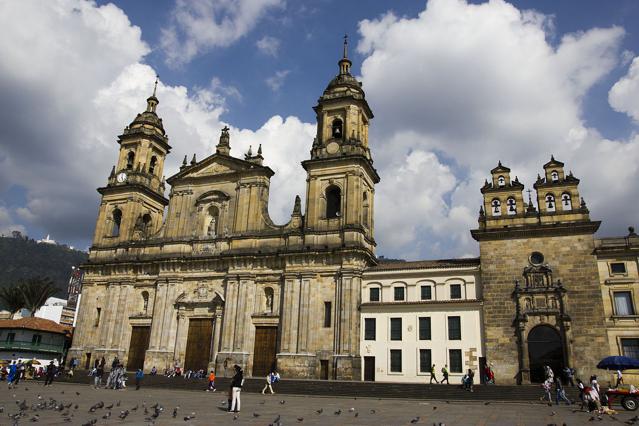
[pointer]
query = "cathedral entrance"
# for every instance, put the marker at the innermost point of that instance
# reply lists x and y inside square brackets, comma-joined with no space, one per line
[137,347]
[264,353]
[544,348]
[198,344]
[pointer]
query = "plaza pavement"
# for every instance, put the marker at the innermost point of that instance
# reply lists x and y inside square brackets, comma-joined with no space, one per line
[208,409]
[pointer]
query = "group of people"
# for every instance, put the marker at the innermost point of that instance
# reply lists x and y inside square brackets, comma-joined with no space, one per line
[467,380]
[590,395]
[16,371]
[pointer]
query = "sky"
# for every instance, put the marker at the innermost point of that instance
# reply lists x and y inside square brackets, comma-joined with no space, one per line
[455,86]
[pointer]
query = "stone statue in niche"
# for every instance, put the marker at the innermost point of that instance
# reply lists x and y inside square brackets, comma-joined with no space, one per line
[528,304]
[211,232]
[269,302]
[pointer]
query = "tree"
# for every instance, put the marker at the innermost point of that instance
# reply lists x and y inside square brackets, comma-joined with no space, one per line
[11,298]
[35,292]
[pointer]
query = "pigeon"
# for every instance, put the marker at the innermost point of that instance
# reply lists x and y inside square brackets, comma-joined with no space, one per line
[320,411]
[591,419]
[187,418]
[351,410]
[35,418]
[75,407]
[77,393]
[277,420]
[108,407]
[372,411]
[434,407]
[300,419]
[338,412]
[107,415]
[256,415]
[135,408]
[123,414]
[235,417]
[485,403]
[282,402]
[27,389]
[39,396]
[117,404]
[415,420]
[552,413]
[174,412]
[356,414]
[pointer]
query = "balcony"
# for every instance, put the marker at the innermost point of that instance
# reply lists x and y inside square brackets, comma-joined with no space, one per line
[17,345]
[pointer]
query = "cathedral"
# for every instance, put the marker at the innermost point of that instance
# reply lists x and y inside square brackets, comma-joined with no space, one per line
[204,279]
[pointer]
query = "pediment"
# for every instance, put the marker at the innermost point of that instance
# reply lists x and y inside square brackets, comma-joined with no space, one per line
[216,165]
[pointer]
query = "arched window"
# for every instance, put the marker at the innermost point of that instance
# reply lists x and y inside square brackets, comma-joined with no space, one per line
[496,206]
[501,181]
[268,299]
[554,176]
[336,128]
[333,202]
[130,158]
[566,202]
[213,221]
[512,206]
[152,164]
[550,203]
[146,223]
[145,301]
[117,221]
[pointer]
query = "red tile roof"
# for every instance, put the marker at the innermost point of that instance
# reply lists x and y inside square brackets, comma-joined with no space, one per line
[34,323]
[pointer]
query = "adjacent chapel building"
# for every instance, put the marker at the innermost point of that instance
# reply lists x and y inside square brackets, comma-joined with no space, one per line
[204,278]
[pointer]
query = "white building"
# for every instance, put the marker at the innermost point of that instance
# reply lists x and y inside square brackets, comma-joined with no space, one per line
[52,309]
[46,240]
[415,314]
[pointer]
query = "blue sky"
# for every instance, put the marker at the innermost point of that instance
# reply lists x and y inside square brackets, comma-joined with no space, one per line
[455,86]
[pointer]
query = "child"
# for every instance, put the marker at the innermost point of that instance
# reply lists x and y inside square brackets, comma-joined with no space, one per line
[211,382]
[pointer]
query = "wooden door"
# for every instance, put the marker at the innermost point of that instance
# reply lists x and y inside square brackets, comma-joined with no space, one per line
[198,344]
[324,369]
[138,346]
[264,353]
[369,368]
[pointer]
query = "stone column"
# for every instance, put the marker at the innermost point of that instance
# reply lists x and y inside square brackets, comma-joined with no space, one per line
[230,309]
[346,360]
[290,314]
[122,319]
[159,306]
[216,340]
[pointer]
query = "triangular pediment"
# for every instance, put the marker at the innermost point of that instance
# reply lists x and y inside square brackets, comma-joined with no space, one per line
[216,165]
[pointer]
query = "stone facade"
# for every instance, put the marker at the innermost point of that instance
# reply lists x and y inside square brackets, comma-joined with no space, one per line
[205,279]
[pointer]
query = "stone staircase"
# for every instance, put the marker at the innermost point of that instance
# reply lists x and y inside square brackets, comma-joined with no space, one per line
[525,393]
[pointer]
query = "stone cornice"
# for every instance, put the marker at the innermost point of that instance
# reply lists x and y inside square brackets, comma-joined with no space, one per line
[534,231]
[308,164]
[125,189]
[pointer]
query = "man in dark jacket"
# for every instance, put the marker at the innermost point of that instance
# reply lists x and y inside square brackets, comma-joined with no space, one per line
[236,388]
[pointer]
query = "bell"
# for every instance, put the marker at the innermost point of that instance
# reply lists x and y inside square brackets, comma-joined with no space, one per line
[512,208]
[551,205]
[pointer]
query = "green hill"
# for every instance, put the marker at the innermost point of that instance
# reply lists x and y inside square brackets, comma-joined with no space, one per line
[22,258]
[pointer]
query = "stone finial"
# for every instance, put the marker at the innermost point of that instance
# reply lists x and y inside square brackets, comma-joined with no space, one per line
[297,207]
[224,145]
[259,150]
[631,231]
[183,163]
[481,211]
[193,160]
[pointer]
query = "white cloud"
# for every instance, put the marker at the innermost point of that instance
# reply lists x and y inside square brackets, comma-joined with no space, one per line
[7,225]
[276,81]
[268,45]
[475,84]
[199,25]
[624,95]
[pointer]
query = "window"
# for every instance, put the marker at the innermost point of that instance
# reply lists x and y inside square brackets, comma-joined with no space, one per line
[455,360]
[424,360]
[455,291]
[618,268]
[336,128]
[426,292]
[566,203]
[550,203]
[130,158]
[501,181]
[623,303]
[398,293]
[369,329]
[496,205]
[396,329]
[333,202]
[424,328]
[11,337]
[117,221]
[512,206]
[373,294]
[327,314]
[395,361]
[630,348]
[152,165]
[36,339]
[554,176]
[454,328]
[97,316]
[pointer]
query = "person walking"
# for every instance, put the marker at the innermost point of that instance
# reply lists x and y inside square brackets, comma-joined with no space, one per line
[97,376]
[432,375]
[547,387]
[569,374]
[236,388]
[582,398]
[139,375]
[12,373]
[619,378]
[445,373]
[560,394]
[50,374]
[211,386]
[549,373]
[471,380]
[19,372]
[272,378]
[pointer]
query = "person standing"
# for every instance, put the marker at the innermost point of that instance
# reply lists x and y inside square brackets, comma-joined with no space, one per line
[236,388]
[445,373]
[619,378]
[432,375]
[139,375]
[50,374]
[471,379]
[569,374]
[19,372]
[560,394]
[12,373]
[97,378]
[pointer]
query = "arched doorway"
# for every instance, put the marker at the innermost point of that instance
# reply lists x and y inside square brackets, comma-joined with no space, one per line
[544,348]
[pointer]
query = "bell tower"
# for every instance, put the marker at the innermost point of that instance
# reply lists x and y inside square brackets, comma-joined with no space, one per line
[341,177]
[133,200]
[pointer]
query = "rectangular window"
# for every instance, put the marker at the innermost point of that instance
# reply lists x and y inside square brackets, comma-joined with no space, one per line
[399,293]
[630,348]
[455,360]
[623,303]
[424,328]
[327,314]
[424,360]
[426,292]
[618,268]
[454,328]
[11,337]
[373,294]
[37,338]
[396,361]
[455,291]
[369,329]
[396,329]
